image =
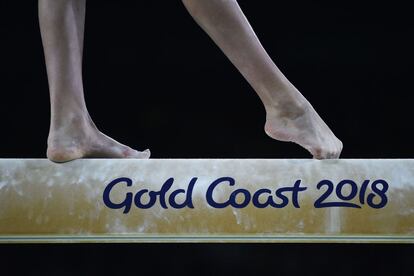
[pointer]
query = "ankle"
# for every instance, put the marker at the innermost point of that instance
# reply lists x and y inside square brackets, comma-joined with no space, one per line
[286,109]
[71,125]
[283,100]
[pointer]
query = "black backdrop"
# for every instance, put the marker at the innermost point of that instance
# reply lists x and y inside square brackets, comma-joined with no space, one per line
[154,80]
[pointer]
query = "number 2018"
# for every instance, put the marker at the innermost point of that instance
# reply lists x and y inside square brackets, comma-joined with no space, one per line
[378,191]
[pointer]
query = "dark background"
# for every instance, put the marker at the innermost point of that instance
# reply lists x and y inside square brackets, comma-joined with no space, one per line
[154,80]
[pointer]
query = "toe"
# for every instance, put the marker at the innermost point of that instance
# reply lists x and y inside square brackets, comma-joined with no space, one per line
[325,153]
[335,154]
[338,151]
[139,154]
[341,146]
[318,153]
[146,154]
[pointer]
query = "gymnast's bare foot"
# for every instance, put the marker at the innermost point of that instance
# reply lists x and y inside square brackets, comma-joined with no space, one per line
[296,121]
[290,117]
[79,138]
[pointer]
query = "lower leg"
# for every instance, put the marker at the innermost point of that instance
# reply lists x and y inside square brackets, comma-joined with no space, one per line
[289,116]
[72,132]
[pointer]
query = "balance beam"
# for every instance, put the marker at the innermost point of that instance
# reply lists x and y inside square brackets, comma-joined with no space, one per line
[207,200]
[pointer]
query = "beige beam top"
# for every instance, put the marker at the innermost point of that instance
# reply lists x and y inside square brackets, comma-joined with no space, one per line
[207,200]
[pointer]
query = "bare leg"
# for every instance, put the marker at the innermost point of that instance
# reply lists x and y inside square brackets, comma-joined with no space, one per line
[289,116]
[72,132]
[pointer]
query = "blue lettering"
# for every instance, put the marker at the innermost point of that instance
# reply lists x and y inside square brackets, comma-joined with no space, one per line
[209,195]
[128,198]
